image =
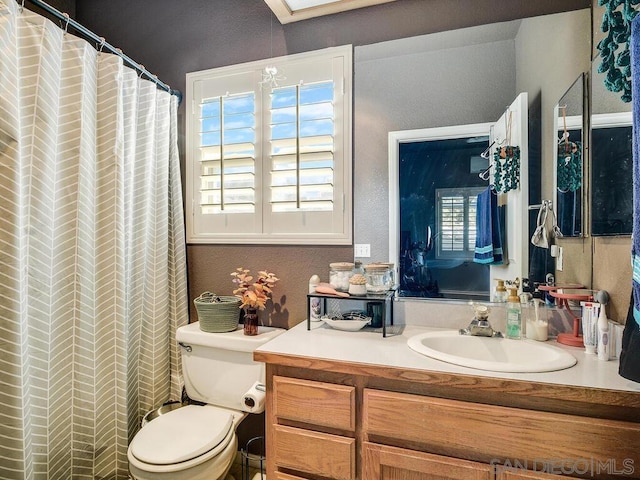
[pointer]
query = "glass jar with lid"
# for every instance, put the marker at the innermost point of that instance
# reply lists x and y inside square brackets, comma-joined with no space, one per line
[391,276]
[339,275]
[377,276]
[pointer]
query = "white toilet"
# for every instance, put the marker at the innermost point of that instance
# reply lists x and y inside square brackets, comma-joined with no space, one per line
[199,442]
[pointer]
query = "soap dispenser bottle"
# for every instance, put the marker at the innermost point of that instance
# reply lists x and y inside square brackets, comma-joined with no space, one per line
[500,293]
[514,315]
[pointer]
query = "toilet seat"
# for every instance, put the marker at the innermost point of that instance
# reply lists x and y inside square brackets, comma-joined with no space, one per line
[183,435]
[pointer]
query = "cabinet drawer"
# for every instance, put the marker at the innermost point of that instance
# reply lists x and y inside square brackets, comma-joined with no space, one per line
[285,476]
[314,452]
[317,403]
[490,433]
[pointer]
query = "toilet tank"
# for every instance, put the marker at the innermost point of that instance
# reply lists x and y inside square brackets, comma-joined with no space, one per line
[218,368]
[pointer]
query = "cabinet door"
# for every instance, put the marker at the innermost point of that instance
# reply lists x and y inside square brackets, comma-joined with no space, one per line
[382,462]
[526,475]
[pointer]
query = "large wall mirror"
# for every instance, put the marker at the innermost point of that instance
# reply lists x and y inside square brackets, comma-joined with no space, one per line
[453,79]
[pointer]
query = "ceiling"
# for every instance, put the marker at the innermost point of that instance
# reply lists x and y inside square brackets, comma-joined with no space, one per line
[289,11]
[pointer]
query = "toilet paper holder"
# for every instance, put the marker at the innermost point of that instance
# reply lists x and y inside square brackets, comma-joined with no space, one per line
[253,400]
[253,458]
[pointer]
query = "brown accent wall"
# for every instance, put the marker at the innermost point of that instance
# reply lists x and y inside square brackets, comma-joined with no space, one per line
[210,268]
[64,6]
[612,272]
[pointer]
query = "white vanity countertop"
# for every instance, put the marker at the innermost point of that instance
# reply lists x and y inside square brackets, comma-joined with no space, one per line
[369,347]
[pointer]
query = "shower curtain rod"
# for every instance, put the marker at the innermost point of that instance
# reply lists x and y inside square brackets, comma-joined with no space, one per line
[102,44]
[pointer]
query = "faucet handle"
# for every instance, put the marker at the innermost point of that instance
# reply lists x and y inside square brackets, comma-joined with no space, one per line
[480,311]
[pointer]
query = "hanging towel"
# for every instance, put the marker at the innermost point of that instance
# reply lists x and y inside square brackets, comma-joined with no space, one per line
[630,356]
[547,228]
[488,249]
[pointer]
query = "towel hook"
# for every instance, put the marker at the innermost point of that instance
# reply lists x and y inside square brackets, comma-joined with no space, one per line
[485,154]
[485,174]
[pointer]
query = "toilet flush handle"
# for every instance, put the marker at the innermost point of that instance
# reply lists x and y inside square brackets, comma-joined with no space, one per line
[186,347]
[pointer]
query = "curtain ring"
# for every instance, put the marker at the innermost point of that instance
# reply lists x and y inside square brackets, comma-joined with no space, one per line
[141,70]
[21,9]
[102,42]
[66,25]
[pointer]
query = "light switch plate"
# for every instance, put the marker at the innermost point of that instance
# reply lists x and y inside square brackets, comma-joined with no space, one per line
[362,250]
[559,260]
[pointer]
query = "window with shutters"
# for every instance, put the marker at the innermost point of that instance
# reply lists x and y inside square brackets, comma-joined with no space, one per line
[269,157]
[456,217]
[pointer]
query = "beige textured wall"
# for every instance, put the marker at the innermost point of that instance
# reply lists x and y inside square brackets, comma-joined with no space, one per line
[578,261]
[612,272]
[210,268]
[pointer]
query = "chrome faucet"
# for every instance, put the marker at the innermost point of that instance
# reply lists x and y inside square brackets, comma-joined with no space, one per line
[480,326]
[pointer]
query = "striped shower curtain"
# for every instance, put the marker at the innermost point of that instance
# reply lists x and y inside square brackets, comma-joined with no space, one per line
[92,253]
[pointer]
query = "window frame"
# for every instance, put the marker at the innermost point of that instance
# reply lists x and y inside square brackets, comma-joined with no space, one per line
[266,226]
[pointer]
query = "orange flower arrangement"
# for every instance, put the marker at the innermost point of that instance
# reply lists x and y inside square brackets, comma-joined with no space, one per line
[254,294]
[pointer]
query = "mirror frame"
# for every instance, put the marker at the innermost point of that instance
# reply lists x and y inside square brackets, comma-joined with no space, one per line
[574,121]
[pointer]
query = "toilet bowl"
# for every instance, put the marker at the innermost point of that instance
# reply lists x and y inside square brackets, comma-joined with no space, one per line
[193,442]
[199,442]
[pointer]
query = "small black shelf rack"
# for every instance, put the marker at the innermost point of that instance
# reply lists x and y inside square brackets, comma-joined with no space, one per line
[386,297]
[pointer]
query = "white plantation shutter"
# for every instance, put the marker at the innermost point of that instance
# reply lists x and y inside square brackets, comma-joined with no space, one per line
[302,139]
[227,161]
[271,163]
[223,151]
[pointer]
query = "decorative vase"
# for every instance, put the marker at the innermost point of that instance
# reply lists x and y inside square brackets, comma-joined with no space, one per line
[251,321]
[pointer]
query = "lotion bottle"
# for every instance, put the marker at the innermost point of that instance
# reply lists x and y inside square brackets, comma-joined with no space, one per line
[514,315]
[500,293]
[603,335]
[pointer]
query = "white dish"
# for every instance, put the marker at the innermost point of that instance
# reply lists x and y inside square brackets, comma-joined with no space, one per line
[346,325]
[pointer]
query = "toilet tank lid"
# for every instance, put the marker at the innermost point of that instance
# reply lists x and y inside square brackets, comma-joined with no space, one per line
[235,340]
[181,434]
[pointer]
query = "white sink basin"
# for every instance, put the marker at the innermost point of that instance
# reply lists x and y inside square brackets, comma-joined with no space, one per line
[494,354]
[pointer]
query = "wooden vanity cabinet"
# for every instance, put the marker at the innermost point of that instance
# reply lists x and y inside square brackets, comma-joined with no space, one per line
[333,421]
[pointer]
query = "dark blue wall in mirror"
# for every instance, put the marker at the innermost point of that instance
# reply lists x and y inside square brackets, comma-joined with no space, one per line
[612,181]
